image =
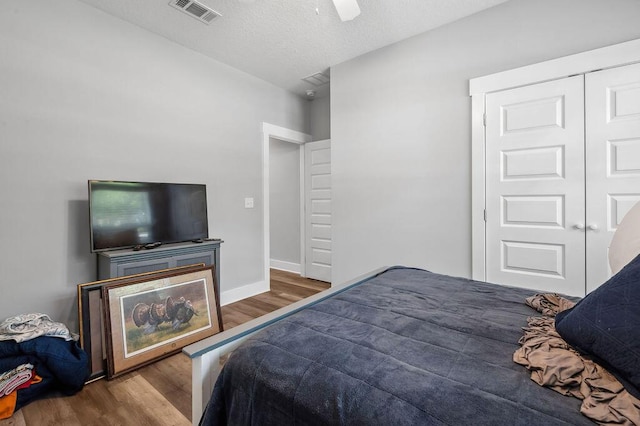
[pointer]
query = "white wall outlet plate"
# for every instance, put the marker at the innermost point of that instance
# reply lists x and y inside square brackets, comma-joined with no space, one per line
[248,203]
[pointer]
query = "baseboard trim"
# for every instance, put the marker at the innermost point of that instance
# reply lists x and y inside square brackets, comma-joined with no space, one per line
[285,266]
[249,290]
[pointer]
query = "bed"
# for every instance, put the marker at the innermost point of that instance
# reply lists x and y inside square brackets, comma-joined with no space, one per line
[400,346]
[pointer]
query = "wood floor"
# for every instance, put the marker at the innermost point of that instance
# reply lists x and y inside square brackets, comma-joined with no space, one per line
[160,393]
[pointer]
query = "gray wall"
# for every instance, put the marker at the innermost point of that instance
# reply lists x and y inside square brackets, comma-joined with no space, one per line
[401,134]
[284,201]
[86,96]
[320,118]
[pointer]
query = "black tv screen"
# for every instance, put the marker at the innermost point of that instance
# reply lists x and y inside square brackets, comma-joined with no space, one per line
[129,214]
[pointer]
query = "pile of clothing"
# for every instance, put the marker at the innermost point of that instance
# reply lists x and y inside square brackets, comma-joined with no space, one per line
[37,357]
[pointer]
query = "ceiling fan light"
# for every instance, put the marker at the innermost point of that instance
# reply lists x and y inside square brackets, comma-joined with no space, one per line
[347,9]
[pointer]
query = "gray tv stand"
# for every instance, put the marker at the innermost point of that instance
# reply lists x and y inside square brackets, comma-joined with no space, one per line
[118,263]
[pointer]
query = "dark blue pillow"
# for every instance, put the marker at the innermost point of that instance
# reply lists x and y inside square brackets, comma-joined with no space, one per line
[606,325]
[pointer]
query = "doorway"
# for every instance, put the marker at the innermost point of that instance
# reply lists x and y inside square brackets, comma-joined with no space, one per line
[311,227]
[286,215]
[279,134]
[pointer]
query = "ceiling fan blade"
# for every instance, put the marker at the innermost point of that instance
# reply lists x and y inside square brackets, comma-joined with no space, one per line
[347,9]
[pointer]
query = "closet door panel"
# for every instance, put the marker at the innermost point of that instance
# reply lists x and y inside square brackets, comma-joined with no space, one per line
[535,186]
[612,160]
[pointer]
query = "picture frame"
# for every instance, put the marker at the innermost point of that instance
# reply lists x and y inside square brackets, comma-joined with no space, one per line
[151,317]
[90,318]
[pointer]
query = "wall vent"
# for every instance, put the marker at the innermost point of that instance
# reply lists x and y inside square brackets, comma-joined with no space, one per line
[195,9]
[317,79]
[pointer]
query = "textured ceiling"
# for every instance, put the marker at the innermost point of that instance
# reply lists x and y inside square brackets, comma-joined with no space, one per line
[283,41]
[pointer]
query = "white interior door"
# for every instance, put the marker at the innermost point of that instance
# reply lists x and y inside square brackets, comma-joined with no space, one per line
[612,160]
[535,202]
[318,210]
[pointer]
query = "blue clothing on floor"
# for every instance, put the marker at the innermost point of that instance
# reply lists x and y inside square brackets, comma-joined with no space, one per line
[62,365]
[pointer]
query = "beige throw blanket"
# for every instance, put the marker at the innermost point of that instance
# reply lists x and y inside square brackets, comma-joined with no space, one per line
[553,363]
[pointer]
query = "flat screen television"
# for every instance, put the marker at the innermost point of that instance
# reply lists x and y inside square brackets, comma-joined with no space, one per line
[130,214]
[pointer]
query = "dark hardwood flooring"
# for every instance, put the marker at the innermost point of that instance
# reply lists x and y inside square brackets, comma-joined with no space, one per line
[160,393]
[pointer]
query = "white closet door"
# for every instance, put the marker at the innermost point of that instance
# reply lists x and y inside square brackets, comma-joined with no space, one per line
[318,210]
[535,186]
[612,160]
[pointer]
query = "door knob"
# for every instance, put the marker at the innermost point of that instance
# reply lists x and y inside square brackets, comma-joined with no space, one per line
[579,225]
[592,227]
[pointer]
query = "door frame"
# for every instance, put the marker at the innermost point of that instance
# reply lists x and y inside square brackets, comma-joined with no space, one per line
[581,63]
[287,135]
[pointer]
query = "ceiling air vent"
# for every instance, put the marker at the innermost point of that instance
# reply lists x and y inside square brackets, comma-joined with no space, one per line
[196,10]
[317,79]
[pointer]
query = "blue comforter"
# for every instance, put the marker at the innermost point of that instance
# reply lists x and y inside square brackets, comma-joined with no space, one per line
[407,347]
